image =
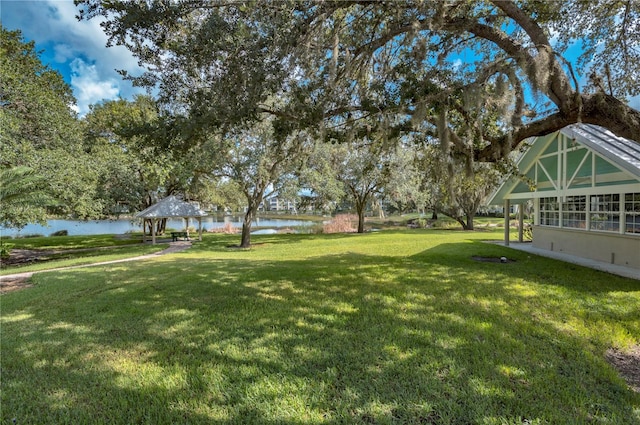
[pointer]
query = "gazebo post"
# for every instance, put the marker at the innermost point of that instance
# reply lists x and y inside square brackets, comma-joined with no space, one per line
[199,228]
[186,228]
[153,231]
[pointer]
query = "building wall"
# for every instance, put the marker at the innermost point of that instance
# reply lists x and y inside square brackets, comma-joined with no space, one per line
[623,250]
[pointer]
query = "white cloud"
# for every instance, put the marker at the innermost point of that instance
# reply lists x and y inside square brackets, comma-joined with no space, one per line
[88,87]
[78,48]
[63,53]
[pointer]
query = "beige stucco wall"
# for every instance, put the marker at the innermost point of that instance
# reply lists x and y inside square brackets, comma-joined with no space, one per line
[623,250]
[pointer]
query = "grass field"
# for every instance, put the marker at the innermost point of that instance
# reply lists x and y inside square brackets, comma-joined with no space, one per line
[394,327]
[63,251]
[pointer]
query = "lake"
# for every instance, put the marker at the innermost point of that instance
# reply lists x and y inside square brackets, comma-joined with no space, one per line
[120,226]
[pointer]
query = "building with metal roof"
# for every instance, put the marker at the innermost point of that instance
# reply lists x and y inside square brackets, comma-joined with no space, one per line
[584,182]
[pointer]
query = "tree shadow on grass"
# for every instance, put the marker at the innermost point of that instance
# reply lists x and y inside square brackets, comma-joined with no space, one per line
[347,338]
[223,243]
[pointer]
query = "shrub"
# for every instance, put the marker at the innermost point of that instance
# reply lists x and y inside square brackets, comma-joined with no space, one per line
[5,249]
[227,229]
[60,233]
[341,223]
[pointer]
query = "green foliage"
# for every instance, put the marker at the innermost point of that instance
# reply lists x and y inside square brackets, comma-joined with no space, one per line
[390,327]
[435,68]
[133,167]
[257,164]
[608,32]
[40,131]
[5,249]
[360,173]
[23,198]
[35,101]
[457,188]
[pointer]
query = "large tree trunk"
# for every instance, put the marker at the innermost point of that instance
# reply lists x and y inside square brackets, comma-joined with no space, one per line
[469,222]
[461,222]
[610,112]
[360,207]
[361,221]
[161,226]
[245,241]
[599,109]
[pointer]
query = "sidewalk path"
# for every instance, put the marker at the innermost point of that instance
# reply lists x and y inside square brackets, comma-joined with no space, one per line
[624,271]
[18,280]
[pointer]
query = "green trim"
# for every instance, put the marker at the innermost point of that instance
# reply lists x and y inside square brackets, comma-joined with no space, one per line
[558,159]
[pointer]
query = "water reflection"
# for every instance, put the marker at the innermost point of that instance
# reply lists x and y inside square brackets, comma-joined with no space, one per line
[120,226]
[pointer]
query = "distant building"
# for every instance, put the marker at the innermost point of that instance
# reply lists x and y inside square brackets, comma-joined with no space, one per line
[585,185]
[277,204]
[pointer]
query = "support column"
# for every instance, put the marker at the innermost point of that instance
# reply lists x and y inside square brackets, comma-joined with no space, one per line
[520,222]
[623,216]
[153,231]
[507,207]
[200,228]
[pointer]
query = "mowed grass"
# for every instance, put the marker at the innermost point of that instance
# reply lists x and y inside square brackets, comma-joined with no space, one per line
[65,251]
[396,327]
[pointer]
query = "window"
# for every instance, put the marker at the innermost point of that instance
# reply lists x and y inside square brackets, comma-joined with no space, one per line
[632,212]
[605,212]
[602,212]
[549,212]
[574,212]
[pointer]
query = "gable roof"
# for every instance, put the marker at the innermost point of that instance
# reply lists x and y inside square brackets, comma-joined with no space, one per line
[621,154]
[170,207]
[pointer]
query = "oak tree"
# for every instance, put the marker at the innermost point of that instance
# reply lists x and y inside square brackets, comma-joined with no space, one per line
[40,131]
[431,60]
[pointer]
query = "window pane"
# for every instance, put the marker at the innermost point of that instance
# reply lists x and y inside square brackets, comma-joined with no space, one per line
[605,212]
[549,212]
[574,212]
[632,212]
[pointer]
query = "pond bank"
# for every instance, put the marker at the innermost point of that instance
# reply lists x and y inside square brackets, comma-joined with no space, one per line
[127,225]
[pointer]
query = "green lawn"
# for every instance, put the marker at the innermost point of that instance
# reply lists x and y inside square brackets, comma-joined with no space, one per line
[64,251]
[395,327]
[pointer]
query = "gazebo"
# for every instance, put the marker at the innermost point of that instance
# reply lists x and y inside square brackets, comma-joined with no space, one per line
[171,207]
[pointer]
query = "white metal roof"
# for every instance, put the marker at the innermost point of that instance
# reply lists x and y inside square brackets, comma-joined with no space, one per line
[623,152]
[169,207]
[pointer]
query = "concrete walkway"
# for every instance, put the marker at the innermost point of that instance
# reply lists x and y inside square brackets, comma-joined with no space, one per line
[173,247]
[597,265]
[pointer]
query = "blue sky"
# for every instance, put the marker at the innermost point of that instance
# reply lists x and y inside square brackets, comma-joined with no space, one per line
[77,49]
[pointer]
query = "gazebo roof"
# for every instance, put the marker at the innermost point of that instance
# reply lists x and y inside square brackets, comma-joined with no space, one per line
[170,207]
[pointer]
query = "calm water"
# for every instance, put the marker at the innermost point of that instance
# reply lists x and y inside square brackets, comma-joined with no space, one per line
[101,227]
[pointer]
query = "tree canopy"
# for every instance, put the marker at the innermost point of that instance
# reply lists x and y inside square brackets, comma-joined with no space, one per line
[40,131]
[22,198]
[256,163]
[434,67]
[35,101]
